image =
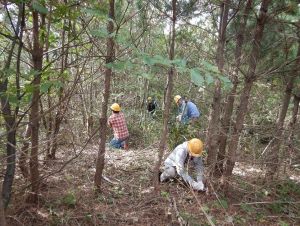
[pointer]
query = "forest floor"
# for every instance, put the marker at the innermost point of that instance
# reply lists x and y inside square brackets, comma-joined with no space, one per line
[127,198]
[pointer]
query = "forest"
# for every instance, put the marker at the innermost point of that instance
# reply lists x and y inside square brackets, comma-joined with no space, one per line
[71,68]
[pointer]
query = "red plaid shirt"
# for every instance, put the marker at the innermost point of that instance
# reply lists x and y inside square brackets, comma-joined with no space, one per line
[118,124]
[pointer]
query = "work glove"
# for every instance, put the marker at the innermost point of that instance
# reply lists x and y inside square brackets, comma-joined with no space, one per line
[178,118]
[198,186]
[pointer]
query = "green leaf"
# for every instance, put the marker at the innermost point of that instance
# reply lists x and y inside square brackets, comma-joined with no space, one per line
[148,60]
[40,8]
[164,194]
[179,62]
[161,60]
[225,81]
[45,86]
[12,98]
[120,65]
[196,77]
[100,33]
[29,88]
[97,12]
[209,67]
[209,79]
[57,84]
[156,60]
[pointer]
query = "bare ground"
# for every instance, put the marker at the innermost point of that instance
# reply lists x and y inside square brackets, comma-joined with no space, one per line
[127,197]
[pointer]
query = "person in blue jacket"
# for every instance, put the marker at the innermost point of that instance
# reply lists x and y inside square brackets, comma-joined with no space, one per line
[188,111]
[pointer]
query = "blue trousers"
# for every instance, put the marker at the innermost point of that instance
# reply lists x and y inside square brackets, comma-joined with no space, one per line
[117,143]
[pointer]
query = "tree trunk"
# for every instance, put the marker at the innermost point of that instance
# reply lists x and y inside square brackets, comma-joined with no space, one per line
[37,58]
[2,213]
[225,122]
[248,83]
[273,163]
[49,117]
[213,127]
[222,35]
[168,101]
[108,74]
[10,123]
[24,152]
[290,145]
[62,105]
[214,119]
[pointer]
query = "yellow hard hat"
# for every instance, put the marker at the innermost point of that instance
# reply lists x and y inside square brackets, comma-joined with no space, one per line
[115,107]
[195,147]
[149,98]
[177,98]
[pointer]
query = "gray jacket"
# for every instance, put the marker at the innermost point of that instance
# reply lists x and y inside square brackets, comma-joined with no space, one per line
[178,158]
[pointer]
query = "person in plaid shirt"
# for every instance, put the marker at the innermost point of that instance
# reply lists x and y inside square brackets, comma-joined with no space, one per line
[118,123]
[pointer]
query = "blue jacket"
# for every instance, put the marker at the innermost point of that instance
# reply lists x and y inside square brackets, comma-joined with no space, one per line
[188,110]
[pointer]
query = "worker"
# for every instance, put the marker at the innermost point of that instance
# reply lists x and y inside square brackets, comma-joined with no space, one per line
[118,123]
[151,105]
[188,111]
[184,154]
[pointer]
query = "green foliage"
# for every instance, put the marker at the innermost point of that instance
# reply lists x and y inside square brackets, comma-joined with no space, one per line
[69,200]
[239,220]
[102,32]
[282,223]
[164,194]
[197,78]
[99,10]
[156,60]
[190,218]
[45,86]
[118,192]
[178,133]
[206,74]
[120,65]
[36,5]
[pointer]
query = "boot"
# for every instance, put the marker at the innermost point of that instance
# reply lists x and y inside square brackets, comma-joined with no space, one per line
[126,146]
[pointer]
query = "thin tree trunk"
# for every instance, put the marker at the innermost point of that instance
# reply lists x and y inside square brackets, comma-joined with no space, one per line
[2,213]
[90,120]
[106,93]
[214,119]
[248,83]
[49,103]
[20,47]
[24,152]
[63,106]
[213,126]
[225,122]
[145,93]
[292,124]
[222,35]
[168,100]
[10,124]
[273,163]
[37,58]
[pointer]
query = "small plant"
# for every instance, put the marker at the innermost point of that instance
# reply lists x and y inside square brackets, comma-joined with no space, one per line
[118,192]
[164,194]
[69,200]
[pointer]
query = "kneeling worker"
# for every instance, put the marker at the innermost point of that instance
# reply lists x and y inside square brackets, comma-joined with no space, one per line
[185,153]
[188,111]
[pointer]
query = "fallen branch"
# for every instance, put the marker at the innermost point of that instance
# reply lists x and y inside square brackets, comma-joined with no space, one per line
[180,219]
[109,180]
[254,203]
